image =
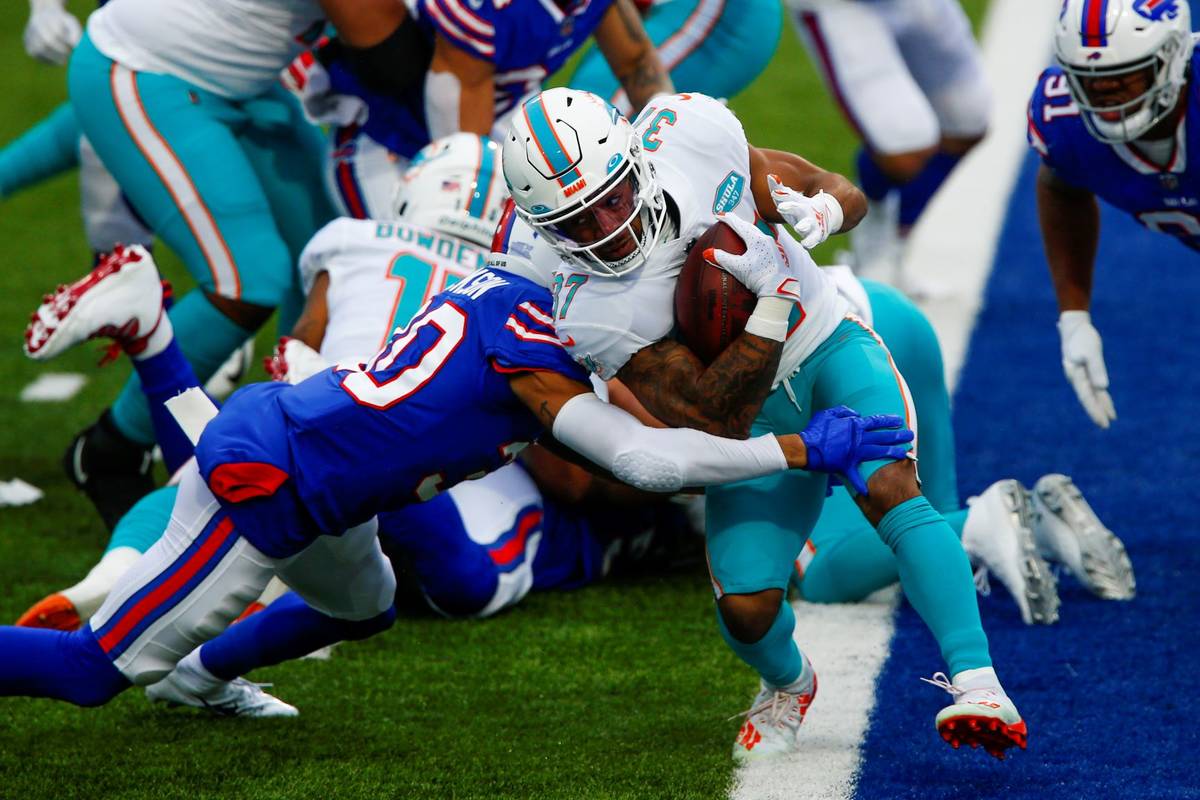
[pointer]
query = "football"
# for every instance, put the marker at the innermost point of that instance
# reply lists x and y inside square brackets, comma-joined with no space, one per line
[711,306]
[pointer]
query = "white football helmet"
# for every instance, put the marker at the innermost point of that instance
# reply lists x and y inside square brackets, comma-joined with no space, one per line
[1118,39]
[578,175]
[453,186]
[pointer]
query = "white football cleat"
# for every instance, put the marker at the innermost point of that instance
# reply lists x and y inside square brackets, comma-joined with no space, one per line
[122,299]
[236,698]
[998,537]
[772,725]
[1069,532]
[981,715]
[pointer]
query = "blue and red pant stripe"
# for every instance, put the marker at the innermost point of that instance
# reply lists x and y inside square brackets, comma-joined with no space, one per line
[150,603]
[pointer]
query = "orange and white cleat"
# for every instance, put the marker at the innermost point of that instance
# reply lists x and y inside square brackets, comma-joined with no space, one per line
[982,715]
[772,725]
[121,299]
[55,612]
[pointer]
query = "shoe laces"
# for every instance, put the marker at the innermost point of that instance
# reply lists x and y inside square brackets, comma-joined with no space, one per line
[942,682]
[776,706]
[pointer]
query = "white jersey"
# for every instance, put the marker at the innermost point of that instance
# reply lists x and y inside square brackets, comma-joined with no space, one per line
[702,161]
[380,273]
[852,289]
[233,48]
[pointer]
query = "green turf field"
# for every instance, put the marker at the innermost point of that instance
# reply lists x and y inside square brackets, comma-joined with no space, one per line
[621,690]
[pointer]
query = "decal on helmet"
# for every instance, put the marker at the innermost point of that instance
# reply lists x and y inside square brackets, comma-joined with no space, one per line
[1157,10]
[549,146]
[1092,23]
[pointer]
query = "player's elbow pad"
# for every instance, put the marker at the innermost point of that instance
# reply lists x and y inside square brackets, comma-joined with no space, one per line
[395,65]
[660,459]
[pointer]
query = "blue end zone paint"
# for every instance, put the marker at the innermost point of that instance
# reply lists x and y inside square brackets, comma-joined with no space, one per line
[1108,692]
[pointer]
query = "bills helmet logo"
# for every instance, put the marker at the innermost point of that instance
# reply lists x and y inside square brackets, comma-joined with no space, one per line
[1157,10]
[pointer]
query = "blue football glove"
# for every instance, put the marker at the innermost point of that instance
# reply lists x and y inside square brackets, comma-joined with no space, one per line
[838,440]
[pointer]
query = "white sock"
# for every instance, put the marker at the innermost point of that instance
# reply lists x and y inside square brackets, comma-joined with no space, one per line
[89,594]
[978,678]
[162,336]
[802,684]
[195,676]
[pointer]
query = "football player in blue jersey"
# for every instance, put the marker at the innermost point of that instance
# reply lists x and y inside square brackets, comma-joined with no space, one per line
[496,538]
[1116,119]
[482,59]
[287,480]
[472,551]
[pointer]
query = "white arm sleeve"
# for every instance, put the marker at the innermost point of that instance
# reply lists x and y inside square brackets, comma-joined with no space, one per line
[660,459]
[442,98]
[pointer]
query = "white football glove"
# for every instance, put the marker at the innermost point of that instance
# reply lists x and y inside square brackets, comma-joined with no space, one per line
[1083,363]
[764,268]
[307,78]
[293,361]
[51,32]
[814,218]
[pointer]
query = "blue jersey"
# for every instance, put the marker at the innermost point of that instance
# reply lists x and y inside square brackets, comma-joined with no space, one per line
[526,41]
[1165,199]
[433,408]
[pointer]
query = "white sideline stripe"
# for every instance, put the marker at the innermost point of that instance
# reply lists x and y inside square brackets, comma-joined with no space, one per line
[954,243]
[952,246]
[51,387]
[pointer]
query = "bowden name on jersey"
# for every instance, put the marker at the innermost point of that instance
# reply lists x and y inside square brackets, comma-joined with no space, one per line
[1165,199]
[380,274]
[233,48]
[433,408]
[525,40]
[700,157]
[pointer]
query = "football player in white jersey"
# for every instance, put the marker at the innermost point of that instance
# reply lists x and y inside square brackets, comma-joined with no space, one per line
[908,77]
[619,205]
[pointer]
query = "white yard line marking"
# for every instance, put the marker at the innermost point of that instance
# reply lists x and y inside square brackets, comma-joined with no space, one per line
[18,493]
[952,247]
[53,387]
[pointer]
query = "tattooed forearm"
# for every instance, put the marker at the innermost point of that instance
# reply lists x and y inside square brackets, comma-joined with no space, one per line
[723,399]
[632,21]
[640,71]
[645,80]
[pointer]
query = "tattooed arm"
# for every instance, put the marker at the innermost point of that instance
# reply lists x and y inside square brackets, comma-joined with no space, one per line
[722,400]
[622,39]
